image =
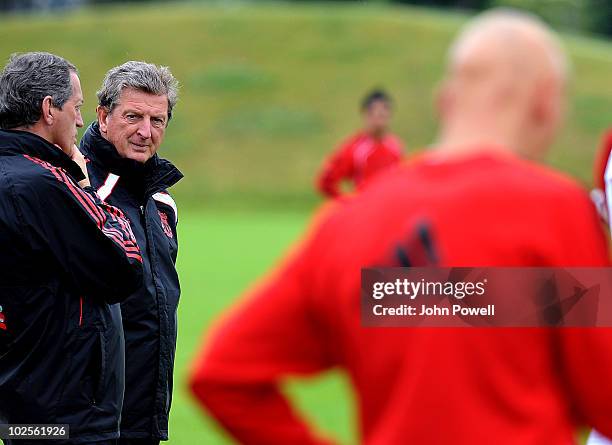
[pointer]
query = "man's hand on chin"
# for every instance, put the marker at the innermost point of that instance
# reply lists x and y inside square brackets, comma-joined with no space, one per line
[76,155]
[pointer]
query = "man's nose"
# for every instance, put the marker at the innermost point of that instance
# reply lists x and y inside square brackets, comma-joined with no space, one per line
[79,120]
[144,129]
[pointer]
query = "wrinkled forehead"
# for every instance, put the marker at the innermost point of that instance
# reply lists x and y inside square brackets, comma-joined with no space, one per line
[142,101]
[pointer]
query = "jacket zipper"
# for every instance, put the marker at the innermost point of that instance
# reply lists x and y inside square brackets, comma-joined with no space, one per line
[149,247]
[80,311]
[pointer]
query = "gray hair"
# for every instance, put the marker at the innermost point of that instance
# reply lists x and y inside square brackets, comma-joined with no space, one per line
[26,80]
[142,76]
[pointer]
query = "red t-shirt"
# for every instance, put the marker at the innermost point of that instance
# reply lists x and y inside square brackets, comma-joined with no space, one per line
[359,159]
[420,385]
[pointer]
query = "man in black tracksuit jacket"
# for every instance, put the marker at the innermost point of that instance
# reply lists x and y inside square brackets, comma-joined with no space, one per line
[66,257]
[136,100]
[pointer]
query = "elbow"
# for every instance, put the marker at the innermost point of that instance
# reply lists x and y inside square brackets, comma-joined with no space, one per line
[127,281]
[134,279]
[327,189]
[115,284]
[197,388]
[211,383]
[205,389]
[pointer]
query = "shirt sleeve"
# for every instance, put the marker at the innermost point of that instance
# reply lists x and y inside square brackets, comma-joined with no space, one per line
[337,167]
[273,333]
[398,146]
[87,240]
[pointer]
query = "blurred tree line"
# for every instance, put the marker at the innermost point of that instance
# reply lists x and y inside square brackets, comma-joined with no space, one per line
[593,16]
[38,5]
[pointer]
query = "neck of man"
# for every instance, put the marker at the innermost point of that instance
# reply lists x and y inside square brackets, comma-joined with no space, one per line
[36,129]
[481,132]
[377,133]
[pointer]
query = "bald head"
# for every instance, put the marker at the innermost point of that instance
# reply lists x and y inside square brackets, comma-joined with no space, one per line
[505,84]
[514,40]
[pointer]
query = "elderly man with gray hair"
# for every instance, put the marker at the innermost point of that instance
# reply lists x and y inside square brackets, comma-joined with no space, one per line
[135,106]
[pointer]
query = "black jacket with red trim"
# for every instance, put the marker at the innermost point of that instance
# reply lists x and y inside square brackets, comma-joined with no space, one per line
[149,315]
[66,258]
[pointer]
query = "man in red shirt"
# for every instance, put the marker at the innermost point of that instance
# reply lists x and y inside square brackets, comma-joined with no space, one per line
[367,153]
[483,205]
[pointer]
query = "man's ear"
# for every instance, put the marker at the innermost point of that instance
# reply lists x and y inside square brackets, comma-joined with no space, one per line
[102,113]
[47,110]
[546,103]
[443,99]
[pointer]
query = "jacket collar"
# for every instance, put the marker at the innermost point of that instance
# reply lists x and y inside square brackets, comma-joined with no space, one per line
[18,142]
[154,175]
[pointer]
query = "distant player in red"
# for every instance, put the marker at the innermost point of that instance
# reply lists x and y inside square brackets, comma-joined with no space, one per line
[367,153]
[470,201]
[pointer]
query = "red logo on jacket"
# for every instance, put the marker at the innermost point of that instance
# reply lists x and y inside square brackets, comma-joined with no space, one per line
[164,222]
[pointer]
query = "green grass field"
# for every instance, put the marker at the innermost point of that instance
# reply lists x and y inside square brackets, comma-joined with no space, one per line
[221,254]
[267,90]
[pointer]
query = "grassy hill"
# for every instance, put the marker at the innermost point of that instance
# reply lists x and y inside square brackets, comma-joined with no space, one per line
[268,90]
